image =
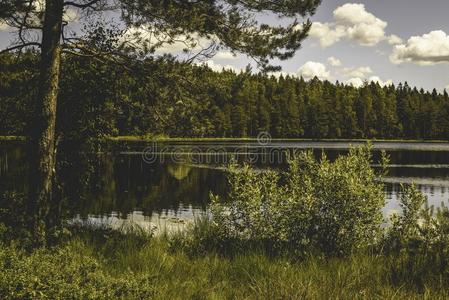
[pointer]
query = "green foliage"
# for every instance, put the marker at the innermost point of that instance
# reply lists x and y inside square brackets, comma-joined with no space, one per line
[317,205]
[418,238]
[13,220]
[18,80]
[163,97]
[101,264]
[64,273]
[206,262]
[419,228]
[228,24]
[232,25]
[405,228]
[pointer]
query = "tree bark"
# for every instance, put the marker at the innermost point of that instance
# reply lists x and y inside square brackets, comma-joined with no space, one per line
[42,137]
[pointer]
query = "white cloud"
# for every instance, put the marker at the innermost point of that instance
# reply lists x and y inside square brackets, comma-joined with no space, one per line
[70,15]
[352,22]
[359,82]
[146,36]
[355,82]
[354,13]
[39,5]
[174,48]
[376,79]
[362,26]
[394,40]
[326,34]
[334,62]
[313,69]
[218,67]
[35,16]
[225,55]
[428,49]
[182,44]
[3,26]
[357,72]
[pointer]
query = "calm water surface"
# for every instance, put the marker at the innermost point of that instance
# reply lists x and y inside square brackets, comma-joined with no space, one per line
[168,184]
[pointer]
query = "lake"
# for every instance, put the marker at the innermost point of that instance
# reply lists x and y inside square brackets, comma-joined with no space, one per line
[168,183]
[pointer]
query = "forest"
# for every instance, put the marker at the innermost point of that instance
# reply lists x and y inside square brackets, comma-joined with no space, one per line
[164,97]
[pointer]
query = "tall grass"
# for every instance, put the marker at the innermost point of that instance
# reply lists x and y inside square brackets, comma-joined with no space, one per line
[99,263]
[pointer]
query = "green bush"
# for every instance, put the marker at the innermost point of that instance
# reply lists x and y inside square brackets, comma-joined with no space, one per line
[64,273]
[333,208]
[418,228]
[418,239]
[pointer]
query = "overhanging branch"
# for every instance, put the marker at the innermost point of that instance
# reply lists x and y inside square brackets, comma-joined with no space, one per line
[20,46]
[79,5]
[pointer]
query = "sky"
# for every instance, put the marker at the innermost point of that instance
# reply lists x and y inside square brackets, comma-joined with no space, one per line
[388,41]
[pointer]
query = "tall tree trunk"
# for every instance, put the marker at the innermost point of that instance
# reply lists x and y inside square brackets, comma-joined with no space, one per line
[42,137]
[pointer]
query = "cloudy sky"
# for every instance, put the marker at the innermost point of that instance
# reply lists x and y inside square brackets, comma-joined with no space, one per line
[382,40]
[388,41]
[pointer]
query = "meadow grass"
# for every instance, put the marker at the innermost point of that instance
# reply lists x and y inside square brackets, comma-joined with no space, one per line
[100,263]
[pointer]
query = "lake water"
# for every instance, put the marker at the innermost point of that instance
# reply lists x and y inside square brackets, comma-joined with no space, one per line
[168,184]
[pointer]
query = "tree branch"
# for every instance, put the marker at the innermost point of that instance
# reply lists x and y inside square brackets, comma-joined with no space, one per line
[20,46]
[82,6]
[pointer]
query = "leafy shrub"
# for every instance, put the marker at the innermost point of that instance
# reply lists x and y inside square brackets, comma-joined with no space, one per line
[418,239]
[316,205]
[419,228]
[64,273]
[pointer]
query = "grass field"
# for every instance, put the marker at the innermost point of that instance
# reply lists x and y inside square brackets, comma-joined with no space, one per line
[103,264]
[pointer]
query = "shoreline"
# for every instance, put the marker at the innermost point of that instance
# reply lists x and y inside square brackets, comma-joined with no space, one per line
[249,139]
[254,139]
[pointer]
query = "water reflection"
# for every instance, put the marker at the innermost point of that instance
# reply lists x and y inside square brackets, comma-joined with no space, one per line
[123,186]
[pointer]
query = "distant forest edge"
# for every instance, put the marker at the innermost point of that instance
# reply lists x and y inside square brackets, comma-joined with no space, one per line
[162,97]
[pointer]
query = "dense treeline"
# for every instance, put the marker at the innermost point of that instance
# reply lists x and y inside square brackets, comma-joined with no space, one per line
[164,97]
